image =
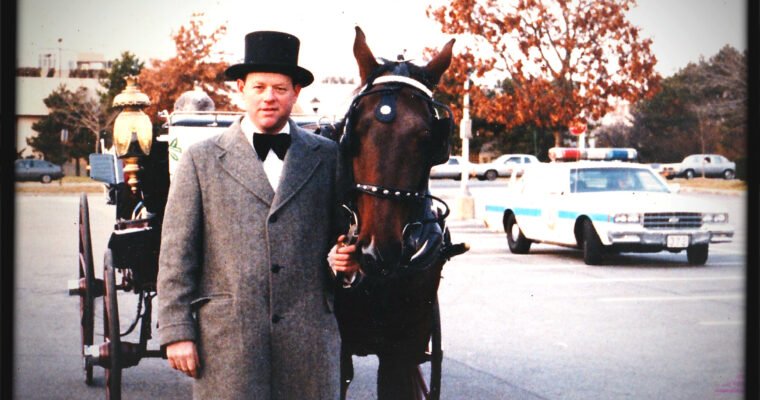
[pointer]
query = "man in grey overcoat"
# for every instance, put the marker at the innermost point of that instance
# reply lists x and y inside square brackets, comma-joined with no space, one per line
[245,293]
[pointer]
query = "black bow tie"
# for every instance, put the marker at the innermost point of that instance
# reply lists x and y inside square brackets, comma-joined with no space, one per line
[262,142]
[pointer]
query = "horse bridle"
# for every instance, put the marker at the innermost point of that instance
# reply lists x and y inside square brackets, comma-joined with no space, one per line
[425,238]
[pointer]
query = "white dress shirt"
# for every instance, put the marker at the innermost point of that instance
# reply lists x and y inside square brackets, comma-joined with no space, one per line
[272,164]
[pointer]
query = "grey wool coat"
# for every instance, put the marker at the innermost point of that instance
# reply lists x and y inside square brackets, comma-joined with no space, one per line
[242,269]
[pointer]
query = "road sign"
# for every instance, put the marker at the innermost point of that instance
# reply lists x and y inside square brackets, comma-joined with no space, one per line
[577,129]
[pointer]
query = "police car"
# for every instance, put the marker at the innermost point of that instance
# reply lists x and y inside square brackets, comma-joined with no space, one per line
[602,202]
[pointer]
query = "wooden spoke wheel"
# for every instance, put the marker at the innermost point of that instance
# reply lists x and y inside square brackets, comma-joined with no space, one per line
[111,330]
[432,389]
[87,284]
[436,358]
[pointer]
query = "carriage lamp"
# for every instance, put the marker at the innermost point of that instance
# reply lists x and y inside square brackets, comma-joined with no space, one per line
[132,130]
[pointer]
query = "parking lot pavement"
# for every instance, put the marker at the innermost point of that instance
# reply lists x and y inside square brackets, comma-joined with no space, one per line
[537,326]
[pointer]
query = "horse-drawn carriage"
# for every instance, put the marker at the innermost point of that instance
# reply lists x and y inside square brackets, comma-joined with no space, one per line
[392,310]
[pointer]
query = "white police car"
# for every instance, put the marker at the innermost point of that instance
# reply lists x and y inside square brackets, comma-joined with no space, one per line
[605,206]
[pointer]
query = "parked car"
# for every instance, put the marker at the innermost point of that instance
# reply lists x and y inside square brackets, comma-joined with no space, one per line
[503,166]
[713,165]
[37,170]
[452,169]
[604,207]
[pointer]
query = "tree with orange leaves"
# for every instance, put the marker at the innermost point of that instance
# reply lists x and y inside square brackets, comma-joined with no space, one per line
[165,80]
[559,62]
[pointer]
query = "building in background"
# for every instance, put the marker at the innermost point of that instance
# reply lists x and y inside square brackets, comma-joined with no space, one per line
[33,85]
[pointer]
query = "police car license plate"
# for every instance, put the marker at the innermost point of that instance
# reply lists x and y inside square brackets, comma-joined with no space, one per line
[678,241]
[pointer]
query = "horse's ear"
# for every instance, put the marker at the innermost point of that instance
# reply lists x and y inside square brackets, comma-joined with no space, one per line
[363,55]
[438,65]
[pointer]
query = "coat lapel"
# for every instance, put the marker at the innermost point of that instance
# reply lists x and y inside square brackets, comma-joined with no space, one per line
[238,159]
[299,165]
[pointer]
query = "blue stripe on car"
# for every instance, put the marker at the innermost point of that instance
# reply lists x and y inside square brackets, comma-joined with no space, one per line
[498,209]
[536,212]
[575,214]
[530,212]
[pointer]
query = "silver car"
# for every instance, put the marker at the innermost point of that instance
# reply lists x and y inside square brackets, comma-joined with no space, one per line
[452,169]
[504,165]
[711,165]
[37,170]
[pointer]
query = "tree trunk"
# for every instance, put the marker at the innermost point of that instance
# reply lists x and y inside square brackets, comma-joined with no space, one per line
[76,165]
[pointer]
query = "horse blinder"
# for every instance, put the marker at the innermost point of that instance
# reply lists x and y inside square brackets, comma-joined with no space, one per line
[442,130]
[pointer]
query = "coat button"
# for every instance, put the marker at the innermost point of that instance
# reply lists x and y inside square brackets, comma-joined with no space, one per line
[276,318]
[276,268]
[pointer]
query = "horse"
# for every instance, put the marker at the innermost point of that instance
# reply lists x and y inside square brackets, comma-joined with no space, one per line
[392,134]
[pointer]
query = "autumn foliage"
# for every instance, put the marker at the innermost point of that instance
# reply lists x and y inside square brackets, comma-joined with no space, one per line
[165,80]
[557,62]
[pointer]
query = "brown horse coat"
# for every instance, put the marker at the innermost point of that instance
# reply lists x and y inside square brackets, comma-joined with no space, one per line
[251,264]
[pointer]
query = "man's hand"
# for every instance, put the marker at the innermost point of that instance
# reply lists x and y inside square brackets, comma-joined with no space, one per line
[183,356]
[344,259]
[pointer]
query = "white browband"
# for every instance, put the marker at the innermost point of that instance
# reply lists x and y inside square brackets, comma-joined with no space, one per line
[405,80]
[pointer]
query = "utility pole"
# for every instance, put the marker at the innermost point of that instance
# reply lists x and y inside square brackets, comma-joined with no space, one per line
[465,206]
[465,132]
[60,63]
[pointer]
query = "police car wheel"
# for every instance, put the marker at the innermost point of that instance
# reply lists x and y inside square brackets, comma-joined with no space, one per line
[697,254]
[518,243]
[592,246]
[491,175]
[689,174]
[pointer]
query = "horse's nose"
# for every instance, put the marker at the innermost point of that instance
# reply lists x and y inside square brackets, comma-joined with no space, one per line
[381,260]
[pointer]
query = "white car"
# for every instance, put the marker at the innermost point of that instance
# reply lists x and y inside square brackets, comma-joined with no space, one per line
[452,169]
[603,207]
[503,165]
[711,165]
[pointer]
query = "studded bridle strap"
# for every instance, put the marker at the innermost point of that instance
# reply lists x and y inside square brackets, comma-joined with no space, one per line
[389,193]
[402,195]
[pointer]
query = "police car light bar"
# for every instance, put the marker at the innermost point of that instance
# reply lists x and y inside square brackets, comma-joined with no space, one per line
[596,153]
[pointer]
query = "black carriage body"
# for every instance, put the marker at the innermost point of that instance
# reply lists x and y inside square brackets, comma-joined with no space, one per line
[135,243]
[137,249]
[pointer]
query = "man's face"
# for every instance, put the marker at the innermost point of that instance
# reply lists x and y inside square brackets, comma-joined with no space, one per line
[269,97]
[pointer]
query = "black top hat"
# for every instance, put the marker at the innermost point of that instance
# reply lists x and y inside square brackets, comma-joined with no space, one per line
[267,51]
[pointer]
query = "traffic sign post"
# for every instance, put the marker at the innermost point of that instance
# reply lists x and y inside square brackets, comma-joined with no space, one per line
[579,130]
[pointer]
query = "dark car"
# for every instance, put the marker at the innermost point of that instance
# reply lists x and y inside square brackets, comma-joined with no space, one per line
[37,170]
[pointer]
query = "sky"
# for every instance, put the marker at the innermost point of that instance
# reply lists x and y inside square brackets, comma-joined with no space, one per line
[681,30]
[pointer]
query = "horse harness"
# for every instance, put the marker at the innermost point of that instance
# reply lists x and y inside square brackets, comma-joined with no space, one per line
[425,238]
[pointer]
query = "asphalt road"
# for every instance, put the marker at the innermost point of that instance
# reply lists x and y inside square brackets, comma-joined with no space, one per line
[536,326]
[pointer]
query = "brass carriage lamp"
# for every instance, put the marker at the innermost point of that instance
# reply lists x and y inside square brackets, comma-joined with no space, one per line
[132,130]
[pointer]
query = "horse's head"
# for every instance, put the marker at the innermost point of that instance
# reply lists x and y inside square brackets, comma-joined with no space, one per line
[395,132]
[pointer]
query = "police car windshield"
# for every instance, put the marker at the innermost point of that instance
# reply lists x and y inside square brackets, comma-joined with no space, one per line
[614,179]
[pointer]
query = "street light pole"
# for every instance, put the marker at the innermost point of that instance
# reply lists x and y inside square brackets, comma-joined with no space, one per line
[465,204]
[60,63]
[465,132]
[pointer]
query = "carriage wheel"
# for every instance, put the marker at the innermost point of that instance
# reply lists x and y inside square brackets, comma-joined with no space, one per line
[111,330]
[87,284]
[435,356]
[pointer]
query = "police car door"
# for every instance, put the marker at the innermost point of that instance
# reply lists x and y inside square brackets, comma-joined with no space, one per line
[557,188]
